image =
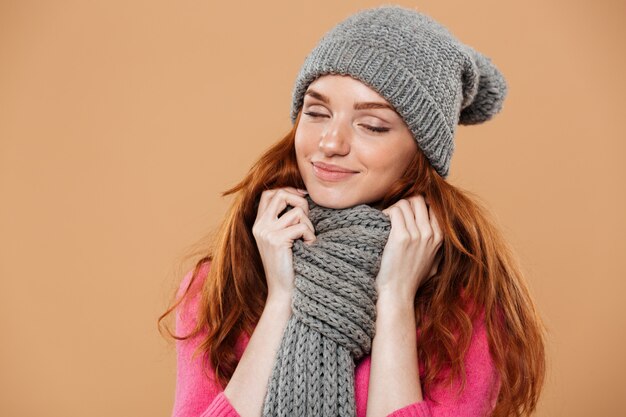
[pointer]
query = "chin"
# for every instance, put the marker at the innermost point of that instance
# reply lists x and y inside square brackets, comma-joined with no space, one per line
[329,201]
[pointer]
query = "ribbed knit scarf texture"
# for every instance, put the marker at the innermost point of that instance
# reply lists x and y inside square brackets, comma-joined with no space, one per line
[333,313]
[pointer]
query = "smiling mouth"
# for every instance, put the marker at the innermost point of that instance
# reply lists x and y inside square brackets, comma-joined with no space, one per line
[327,175]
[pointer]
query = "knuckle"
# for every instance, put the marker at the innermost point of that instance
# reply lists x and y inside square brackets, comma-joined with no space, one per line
[259,237]
[285,192]
[270,239]
[404,237]
[418,200]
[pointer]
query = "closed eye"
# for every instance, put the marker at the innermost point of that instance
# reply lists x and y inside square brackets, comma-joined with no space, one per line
[313,114]
[372,128]
[376,128]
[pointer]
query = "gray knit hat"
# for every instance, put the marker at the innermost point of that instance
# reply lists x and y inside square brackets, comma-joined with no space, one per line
[432,79]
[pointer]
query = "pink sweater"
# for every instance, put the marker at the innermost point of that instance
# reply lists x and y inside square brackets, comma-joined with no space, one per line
[199,396]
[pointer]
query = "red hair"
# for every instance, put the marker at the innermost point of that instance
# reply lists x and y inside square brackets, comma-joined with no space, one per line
[477,268]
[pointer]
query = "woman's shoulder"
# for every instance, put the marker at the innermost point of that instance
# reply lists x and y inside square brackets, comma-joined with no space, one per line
[191,289]
[197,283]
[188,310]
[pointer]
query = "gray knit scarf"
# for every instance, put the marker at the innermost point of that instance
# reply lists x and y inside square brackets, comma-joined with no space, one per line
[333,313]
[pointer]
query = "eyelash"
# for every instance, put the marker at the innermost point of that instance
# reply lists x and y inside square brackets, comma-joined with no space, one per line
[372,128]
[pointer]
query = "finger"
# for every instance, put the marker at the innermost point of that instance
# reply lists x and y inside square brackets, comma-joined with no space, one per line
[434,221]
[409,218]
[293,190]
[421,215]
[266,195]
[293,216]
[435,266]
[281,199]
[296,231]
[303,201]
[397,219]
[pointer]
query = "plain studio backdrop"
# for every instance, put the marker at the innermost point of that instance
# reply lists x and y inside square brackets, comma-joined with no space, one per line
[122,121]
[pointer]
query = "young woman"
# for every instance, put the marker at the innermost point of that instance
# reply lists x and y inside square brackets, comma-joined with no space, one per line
[281,299]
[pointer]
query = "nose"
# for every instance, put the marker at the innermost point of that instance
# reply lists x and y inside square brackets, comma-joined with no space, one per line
[335,139]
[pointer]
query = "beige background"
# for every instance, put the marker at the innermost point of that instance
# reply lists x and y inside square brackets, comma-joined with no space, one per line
[122,121]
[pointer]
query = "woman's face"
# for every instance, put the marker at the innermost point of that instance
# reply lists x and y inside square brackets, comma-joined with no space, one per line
[338,115]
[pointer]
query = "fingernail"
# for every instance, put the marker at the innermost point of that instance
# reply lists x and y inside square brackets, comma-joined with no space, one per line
[302,191]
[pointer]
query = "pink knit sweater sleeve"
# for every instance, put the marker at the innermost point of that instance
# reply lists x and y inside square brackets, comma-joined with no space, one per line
[196,395]
[481,386]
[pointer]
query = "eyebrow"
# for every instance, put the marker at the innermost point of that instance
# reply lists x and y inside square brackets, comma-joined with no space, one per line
[357,106]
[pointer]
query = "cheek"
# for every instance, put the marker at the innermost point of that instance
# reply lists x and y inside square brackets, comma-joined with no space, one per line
[304,140]
[386,161]
[376,158]
[301,148]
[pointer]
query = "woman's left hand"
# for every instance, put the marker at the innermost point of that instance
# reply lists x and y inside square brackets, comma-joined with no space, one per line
[412,250]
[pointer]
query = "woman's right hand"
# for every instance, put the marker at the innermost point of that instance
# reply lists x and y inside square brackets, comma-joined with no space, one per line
[275,236]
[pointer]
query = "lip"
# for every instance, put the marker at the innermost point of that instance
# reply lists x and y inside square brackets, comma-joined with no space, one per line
[328,175]
[331,167]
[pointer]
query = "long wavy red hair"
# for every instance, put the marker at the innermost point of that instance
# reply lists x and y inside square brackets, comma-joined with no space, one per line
[477,264]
